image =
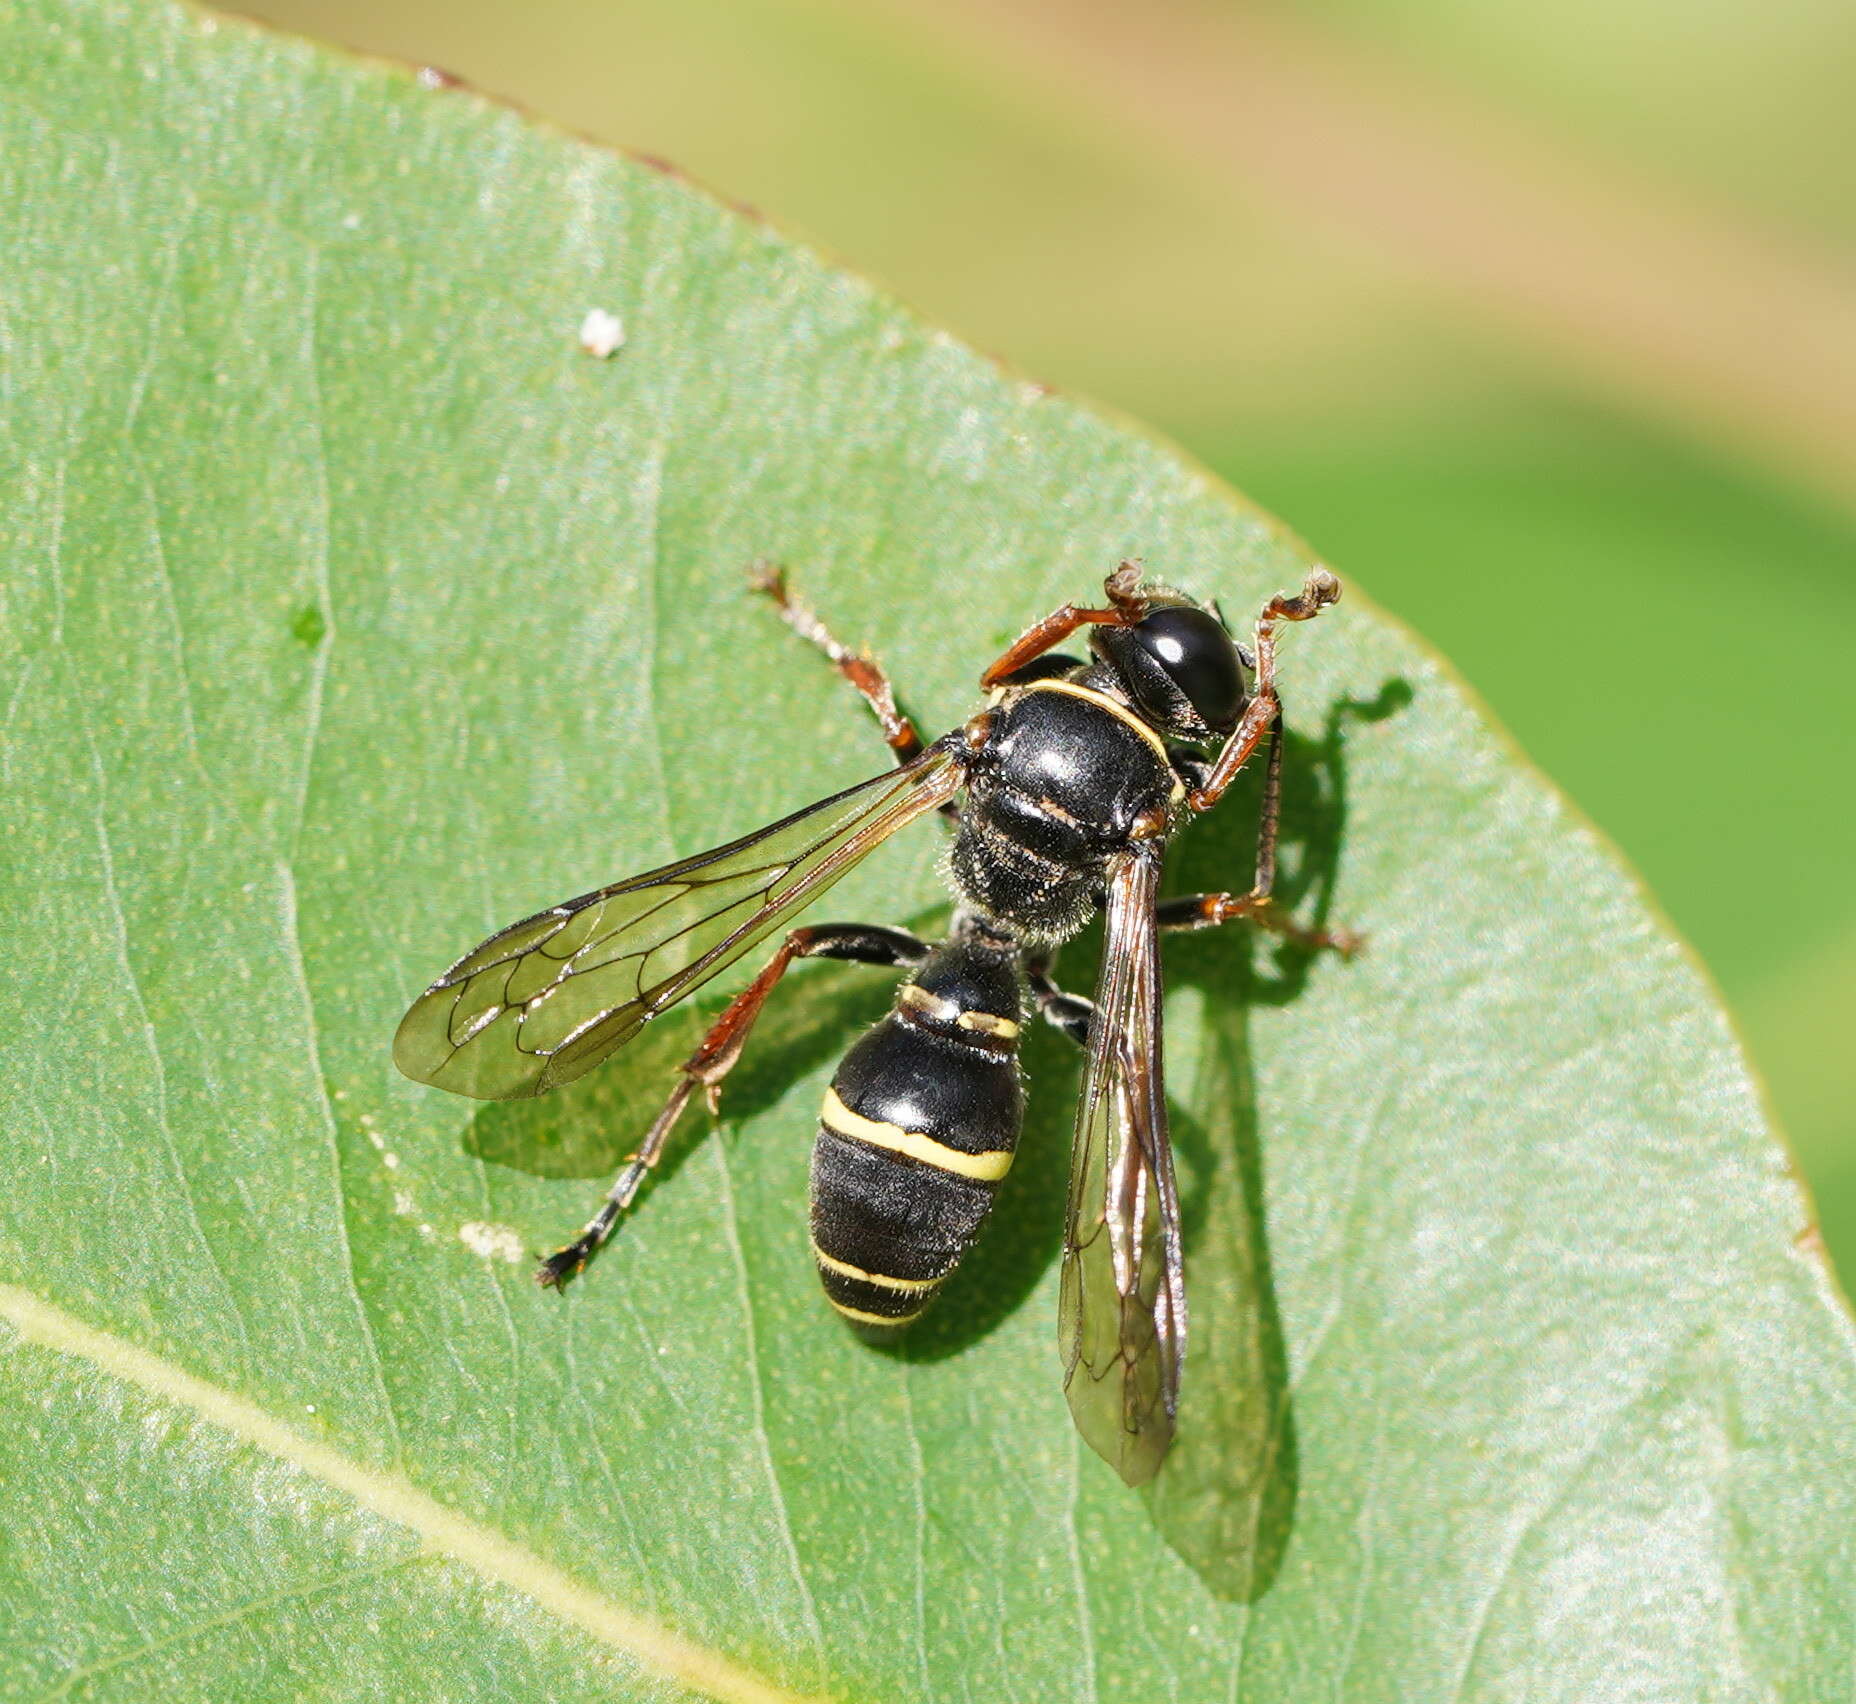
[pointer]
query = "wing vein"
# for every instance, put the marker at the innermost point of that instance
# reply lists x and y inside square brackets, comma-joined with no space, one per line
[1122,1312]
[512,1018]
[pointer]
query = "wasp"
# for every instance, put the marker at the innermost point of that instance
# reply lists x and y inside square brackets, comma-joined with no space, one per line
[1063,791]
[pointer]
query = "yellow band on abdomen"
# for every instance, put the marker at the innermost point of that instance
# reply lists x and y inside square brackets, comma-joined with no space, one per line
[913,995]
[985,1168]
[845,1269]
[863,1318]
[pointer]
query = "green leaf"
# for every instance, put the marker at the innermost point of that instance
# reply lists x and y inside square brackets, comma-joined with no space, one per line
[351,609]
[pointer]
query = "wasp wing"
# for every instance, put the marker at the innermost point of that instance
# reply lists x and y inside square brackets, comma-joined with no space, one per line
[545,1000]
[1122,1321]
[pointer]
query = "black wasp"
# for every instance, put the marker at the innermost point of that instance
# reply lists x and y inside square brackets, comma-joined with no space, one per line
[1075,776]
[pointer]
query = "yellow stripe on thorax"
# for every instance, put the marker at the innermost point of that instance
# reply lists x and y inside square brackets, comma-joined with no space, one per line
[987,1168]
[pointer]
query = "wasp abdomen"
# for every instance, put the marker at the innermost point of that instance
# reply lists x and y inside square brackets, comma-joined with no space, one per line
[918,1127]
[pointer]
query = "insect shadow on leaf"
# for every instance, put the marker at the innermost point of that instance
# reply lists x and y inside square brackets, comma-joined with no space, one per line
[1226,1501]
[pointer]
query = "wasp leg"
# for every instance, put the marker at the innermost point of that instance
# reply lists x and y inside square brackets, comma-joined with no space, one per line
[1125,607]
[1070,1013]
[1269,815]
[1208,910]
[717,1055]
[1050,666]
[861,669]
[1194,772]
[1264,712]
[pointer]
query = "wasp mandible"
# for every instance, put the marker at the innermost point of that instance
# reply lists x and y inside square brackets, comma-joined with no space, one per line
[1064,792]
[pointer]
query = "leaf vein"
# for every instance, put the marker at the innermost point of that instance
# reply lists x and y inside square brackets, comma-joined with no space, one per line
[1085,1621]
[133,984]
[756,1387]
[490,1555]
[325,601]
[918,1476]
[301,1592]
[312,1033]
[1532,1522]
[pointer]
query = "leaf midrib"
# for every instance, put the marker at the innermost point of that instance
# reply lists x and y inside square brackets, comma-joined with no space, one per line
[492,1556]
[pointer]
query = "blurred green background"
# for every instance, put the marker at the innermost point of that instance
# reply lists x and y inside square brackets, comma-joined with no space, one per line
[1539,322]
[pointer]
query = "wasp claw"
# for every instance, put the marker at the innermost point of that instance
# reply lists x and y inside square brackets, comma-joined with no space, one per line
[557,1268]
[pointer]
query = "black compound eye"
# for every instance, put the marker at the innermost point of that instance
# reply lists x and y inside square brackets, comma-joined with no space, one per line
[1199,658]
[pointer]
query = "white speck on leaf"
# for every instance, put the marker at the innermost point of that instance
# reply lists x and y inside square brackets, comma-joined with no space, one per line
[602,333]
[491,1242]
[406,1206]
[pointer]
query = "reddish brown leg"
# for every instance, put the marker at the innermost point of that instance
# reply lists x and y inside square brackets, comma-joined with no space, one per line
[1125,607]
[858,667]
[1265,709]
[713,1059]
[1208,910]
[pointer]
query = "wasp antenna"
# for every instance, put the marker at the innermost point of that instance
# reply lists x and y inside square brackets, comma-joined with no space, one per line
[1123,590]
[1321,588]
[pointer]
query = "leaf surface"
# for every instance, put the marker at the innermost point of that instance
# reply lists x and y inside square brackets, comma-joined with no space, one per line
[349,610]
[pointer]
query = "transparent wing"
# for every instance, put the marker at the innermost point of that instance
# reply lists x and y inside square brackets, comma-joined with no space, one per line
[1122,1323]
[545,1000]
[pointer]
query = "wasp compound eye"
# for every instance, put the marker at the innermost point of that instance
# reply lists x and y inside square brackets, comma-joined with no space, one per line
[1198,657]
